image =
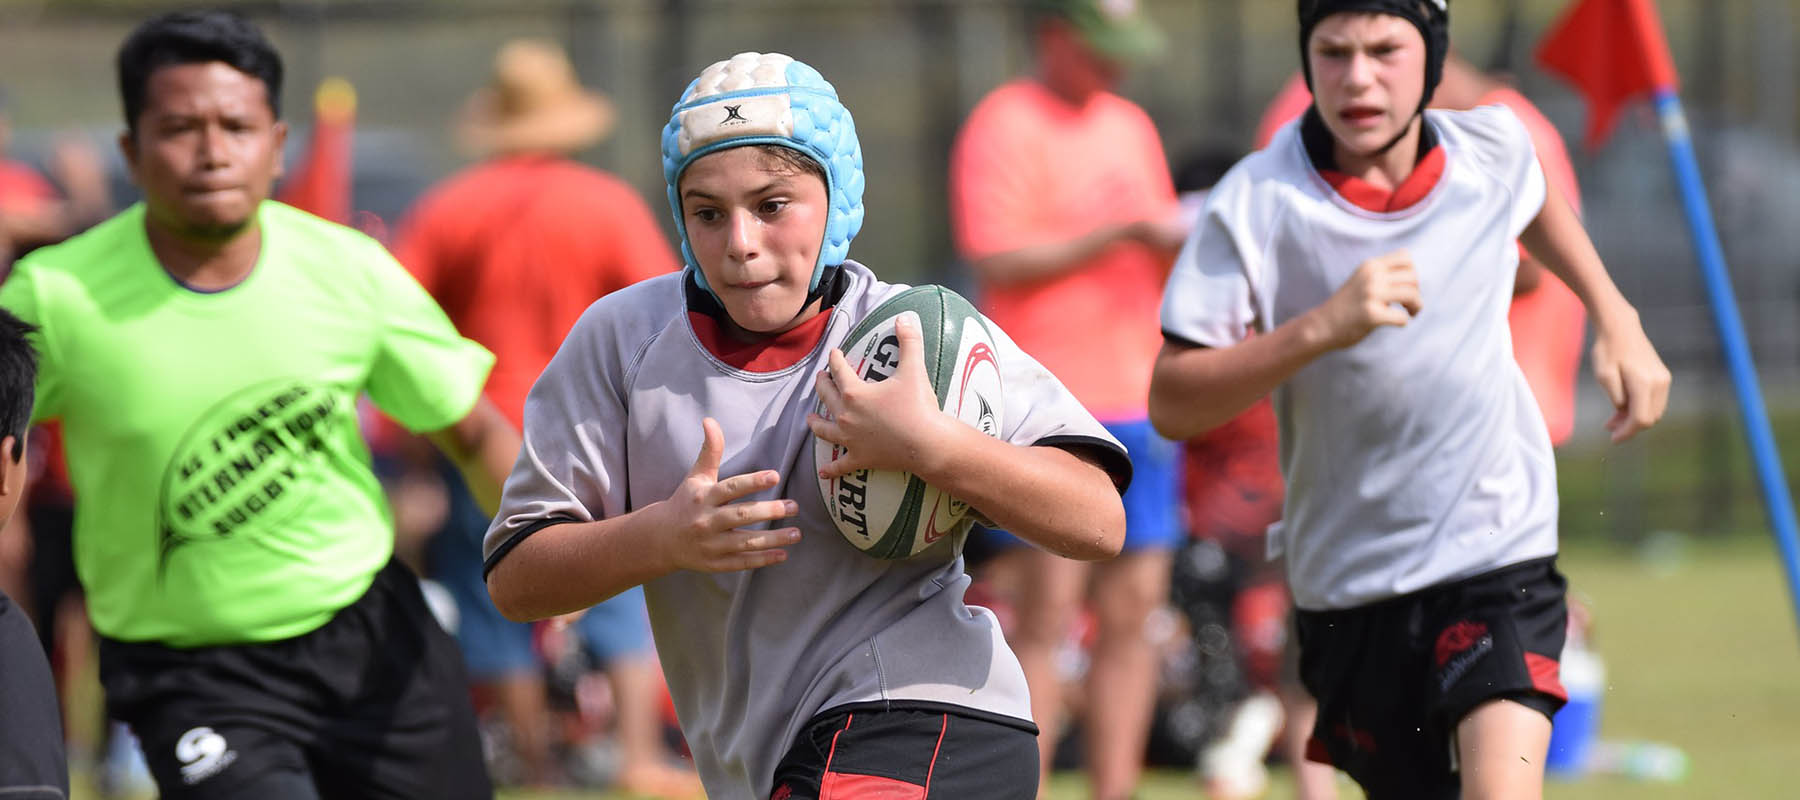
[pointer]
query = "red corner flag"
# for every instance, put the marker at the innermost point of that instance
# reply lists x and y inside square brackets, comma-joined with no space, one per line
[321,183]
[1612,50]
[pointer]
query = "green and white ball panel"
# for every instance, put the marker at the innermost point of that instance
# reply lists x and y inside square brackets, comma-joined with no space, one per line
[890,514]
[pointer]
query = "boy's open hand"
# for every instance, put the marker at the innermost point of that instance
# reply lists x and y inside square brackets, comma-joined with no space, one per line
[890,424]
[1633,376]
[1367,300]
[709,532]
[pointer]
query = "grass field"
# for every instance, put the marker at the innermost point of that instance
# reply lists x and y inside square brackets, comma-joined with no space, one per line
[1701,651]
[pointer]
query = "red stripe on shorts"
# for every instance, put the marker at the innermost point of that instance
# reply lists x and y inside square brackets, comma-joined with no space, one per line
[934,753]
[834,738]
[1546,675]
[1315,751]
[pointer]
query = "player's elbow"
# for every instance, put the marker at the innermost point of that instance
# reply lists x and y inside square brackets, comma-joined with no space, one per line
[1104,536]
[1173,412]
[509,595]
[1175,415]
[1166,418]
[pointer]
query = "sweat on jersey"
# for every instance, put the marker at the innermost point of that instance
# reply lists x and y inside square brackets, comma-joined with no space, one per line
[1416,456]
[614,424]
[223,490]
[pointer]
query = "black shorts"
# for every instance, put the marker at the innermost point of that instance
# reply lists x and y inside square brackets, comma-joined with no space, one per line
[1394,678]
[32,763]
[909,751]
[372,704]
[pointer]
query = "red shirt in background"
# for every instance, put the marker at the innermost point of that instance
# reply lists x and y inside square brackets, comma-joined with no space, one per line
[1029,168]
[515,249]
[22,189]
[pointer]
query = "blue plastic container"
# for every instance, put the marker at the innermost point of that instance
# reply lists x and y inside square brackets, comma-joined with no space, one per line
[1577,726]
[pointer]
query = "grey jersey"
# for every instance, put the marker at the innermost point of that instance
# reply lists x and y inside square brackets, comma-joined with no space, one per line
[613,424]
[1416,456]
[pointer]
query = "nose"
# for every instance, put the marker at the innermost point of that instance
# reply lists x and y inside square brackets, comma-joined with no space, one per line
[1361,70]
[742,242]
[214,148]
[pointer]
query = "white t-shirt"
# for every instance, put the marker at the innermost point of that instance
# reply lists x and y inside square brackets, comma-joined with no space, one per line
[1416,456]
[613,424]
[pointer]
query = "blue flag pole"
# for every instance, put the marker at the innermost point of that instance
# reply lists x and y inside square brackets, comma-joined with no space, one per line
[1763,452]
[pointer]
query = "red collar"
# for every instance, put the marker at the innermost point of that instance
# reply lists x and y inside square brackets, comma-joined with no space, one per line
[773,354]
[1365,195]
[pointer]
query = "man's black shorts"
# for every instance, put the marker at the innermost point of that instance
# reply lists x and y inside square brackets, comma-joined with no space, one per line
[1394,678]
[912,751]
[373,704]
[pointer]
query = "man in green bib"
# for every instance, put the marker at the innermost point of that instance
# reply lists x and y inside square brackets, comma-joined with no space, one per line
[205,350]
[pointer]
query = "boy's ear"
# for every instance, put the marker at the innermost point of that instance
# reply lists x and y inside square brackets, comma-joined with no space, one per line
[9,463]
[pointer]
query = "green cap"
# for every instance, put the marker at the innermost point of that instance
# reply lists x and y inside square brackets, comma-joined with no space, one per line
[1117,29]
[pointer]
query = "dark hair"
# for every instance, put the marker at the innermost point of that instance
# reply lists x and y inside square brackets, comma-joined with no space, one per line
[195,37]
[18,371]
[795,160]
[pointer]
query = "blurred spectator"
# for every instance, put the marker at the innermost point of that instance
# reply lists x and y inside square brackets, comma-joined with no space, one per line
[515,248]
[1062,204]
[33,211]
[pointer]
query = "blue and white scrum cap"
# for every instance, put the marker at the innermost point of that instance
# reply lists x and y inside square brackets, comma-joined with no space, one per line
[769,98]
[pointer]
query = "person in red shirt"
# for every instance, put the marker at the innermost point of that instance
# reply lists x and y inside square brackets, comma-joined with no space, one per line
[33,211]
[515,248]
[1062,204]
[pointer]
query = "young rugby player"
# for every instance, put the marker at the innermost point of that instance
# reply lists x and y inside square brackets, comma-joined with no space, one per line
[205,350]
[799,666]
[1371,247]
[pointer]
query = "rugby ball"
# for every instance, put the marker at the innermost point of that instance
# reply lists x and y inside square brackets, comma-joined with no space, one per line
[890,514]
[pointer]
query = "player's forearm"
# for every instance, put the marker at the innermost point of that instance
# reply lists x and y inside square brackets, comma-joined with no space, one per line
[1045,495]
[483,446]
[571,566]
[43,226]
[1557,240]
[1049,259]
[1196,389]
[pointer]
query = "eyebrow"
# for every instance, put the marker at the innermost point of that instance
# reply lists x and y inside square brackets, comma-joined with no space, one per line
[778,183]
[1327,40]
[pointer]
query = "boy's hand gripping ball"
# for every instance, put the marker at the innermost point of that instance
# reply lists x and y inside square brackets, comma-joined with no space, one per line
[890,514]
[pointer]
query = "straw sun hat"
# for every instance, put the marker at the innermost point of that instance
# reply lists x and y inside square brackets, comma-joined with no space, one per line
[533,103]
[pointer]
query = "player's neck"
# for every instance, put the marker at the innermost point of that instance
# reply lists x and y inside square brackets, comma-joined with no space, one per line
[206,264]
[1072,91]
[1385,170]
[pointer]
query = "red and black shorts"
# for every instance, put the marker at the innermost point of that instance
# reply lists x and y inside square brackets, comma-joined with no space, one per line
[1394,678]
[917,751]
